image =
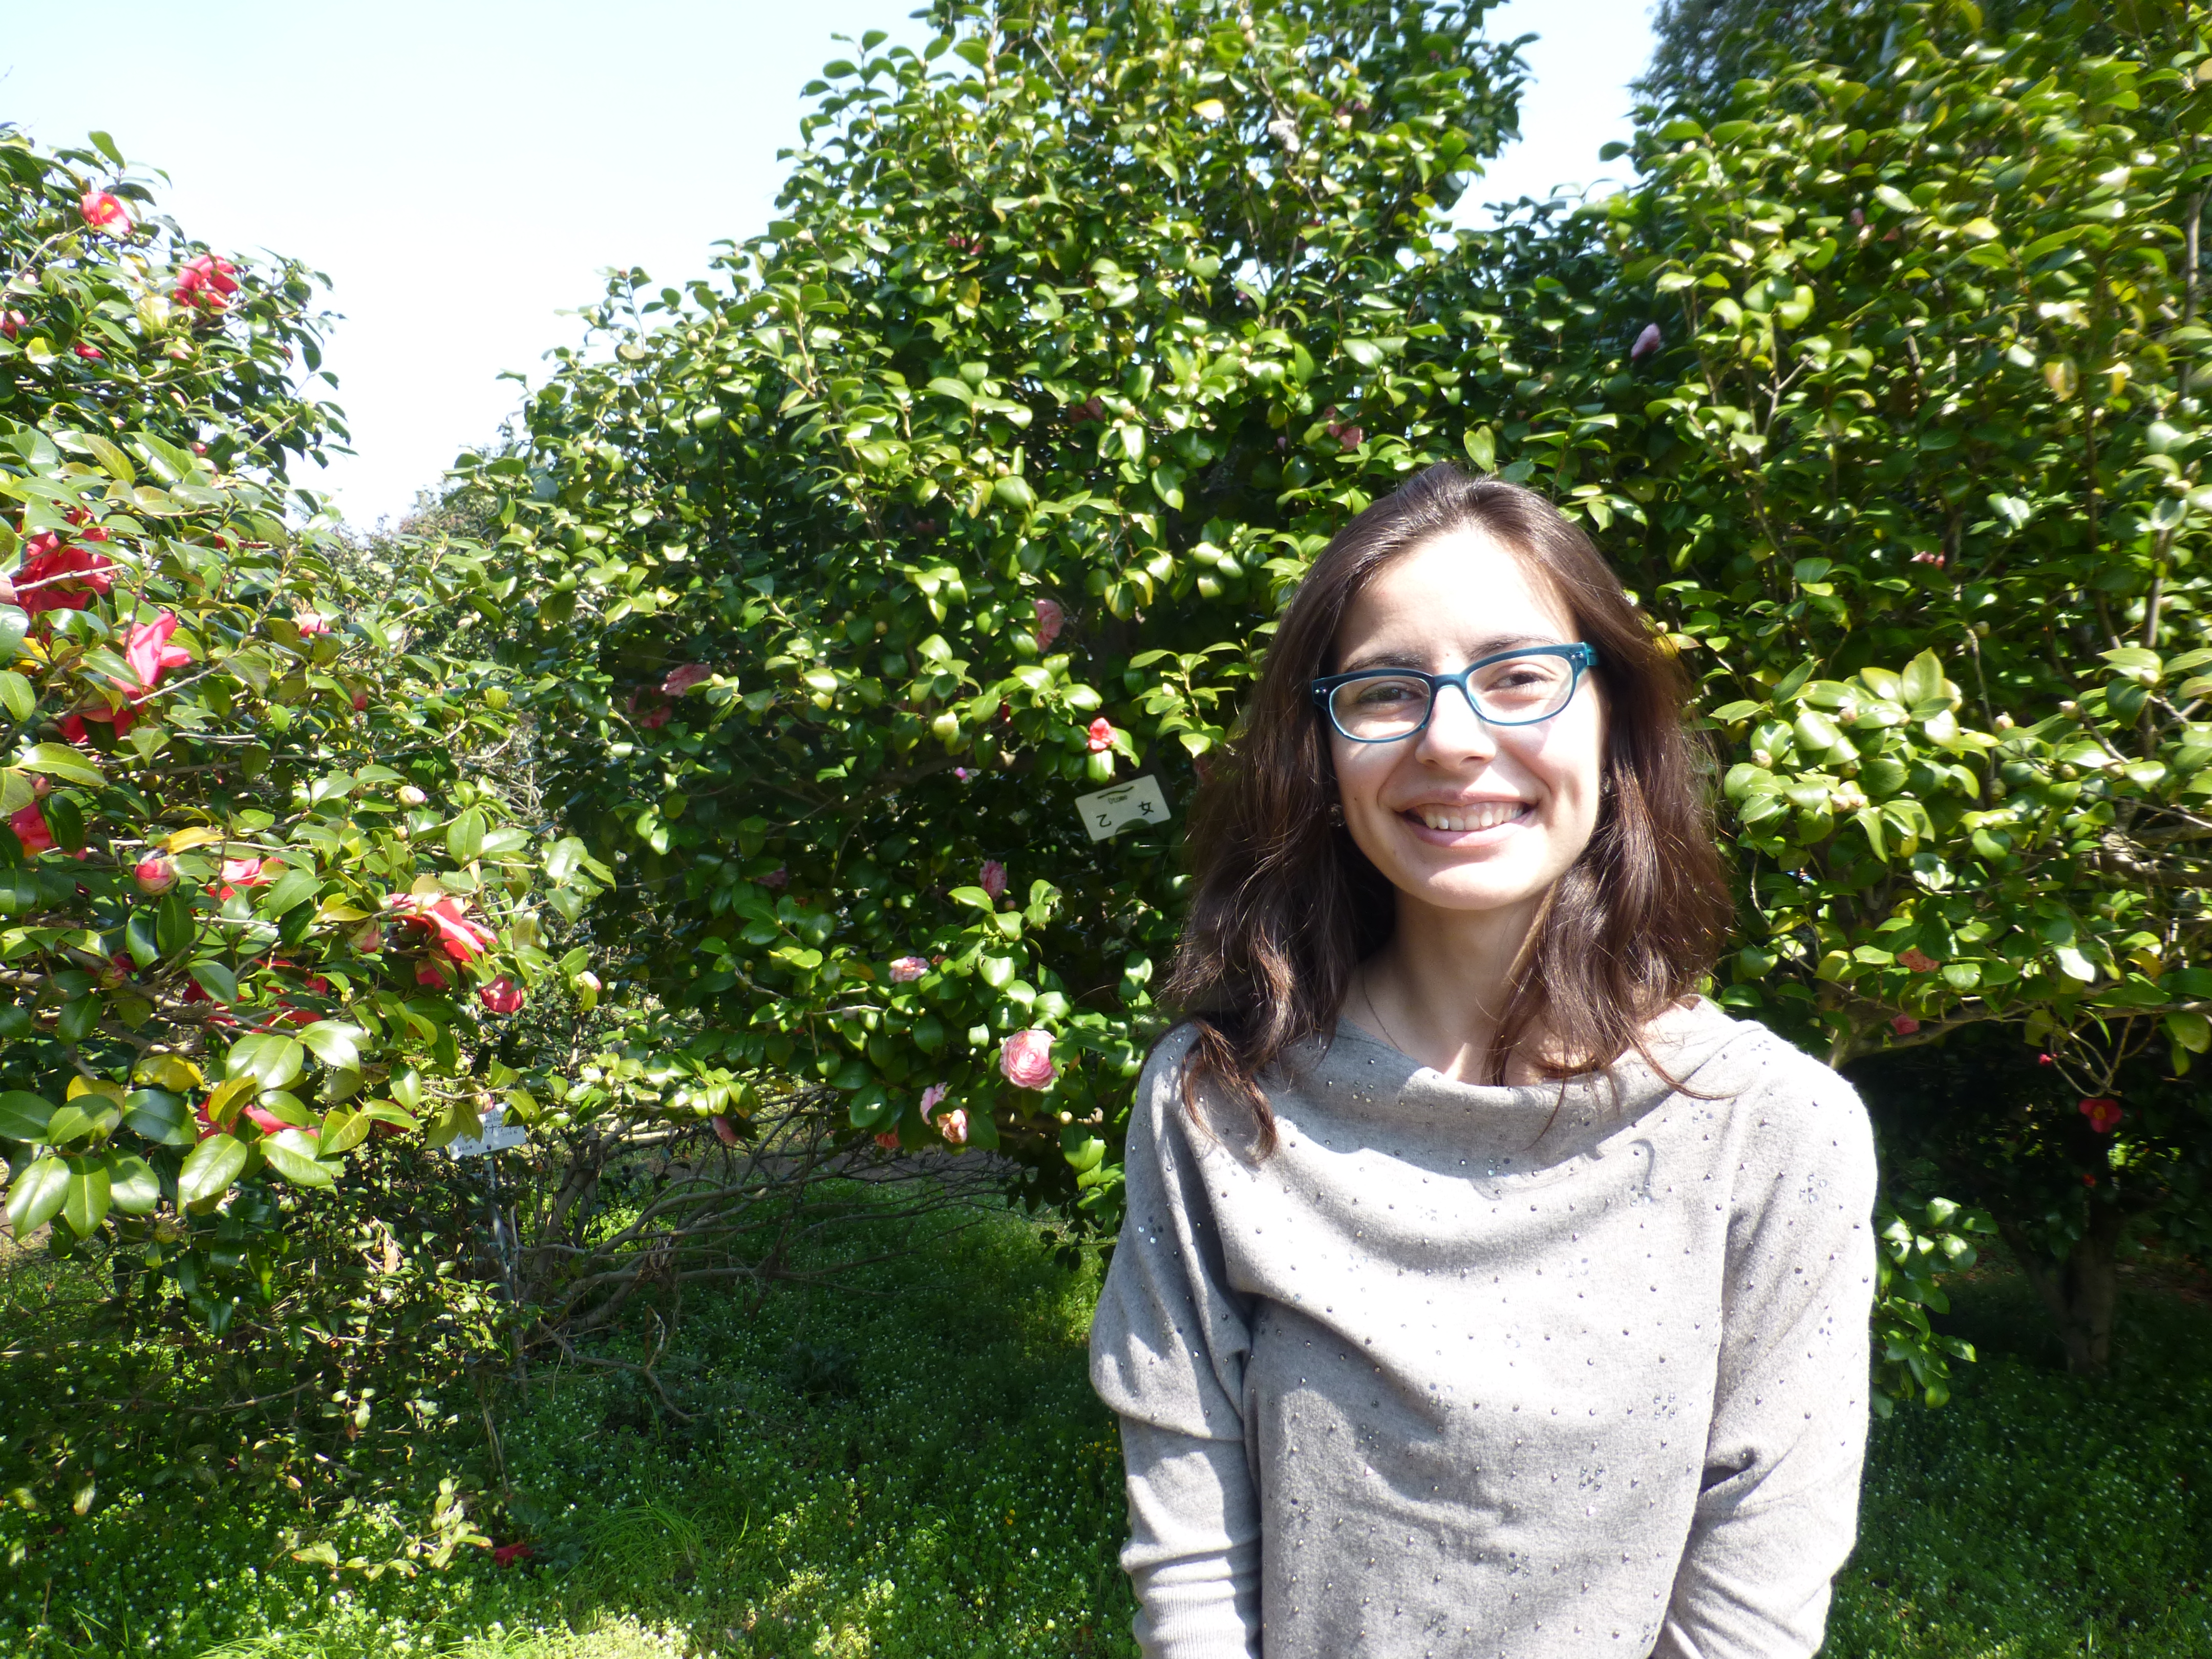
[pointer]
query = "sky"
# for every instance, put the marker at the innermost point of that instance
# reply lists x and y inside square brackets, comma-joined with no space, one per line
[463,170]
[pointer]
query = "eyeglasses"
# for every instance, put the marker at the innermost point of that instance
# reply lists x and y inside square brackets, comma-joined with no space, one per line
[1513,687]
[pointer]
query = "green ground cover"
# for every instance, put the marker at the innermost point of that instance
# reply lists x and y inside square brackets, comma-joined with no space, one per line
[914,1466]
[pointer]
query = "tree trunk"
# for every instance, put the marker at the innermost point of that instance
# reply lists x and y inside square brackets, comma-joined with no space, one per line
[2081,1289]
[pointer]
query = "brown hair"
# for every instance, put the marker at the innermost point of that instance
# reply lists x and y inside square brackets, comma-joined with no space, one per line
[1286,906]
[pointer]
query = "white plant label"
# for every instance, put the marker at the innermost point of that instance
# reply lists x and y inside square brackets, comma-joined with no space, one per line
[1138,801]
[498,1136]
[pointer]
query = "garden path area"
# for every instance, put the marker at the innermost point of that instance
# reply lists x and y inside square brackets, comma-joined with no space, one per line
[914,1466]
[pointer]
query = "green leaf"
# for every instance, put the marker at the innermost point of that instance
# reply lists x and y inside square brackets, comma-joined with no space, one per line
[294,887]
[217,980]
[14,624]
[465,840]
[24,1116]
[335,1044]
[60,761]
[162,1117]
[271,1061]
[35,1196]
[293,1154]
[210,1168]
[132,1185]
[15,692]
[86,1199]
[1923,680]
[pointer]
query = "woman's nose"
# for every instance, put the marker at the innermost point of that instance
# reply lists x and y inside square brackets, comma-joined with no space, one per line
[1455,731]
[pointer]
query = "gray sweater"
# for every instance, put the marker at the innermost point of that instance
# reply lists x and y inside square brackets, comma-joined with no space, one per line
[1463,1370]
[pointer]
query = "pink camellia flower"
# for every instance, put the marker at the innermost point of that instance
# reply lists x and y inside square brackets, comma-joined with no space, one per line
[30,828]
[432,974]
[653,718]
[2103,1115]
[932,1098]
[156,875]
[906,969]
[963,774]
[1026,1059]
[267,1122]
[2046,1060]
[13,323]
[1918,961]
[681,680]
[1051,618]
[501,996]
[146,647]
[1100,736]
[724,1131]
[311,622]
[206,281]
[1646,343]
[992,878]
[360,702]
[953,1126]
[240,872]
[1905,1025]
[105,212]
[90,353]
[450,931]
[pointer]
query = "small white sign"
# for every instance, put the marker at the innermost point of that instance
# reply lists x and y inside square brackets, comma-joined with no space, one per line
[497,1136]
[1138,801]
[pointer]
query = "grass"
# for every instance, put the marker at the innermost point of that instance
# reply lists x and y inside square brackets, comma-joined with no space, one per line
[916,1467]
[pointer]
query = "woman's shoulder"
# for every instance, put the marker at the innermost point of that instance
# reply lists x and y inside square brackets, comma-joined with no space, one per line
[1775,1092]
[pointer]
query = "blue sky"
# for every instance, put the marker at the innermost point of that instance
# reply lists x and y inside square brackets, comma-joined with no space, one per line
[462,171]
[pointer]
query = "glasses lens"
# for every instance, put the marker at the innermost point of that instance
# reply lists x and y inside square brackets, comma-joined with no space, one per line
[1522,689]
[1385,706]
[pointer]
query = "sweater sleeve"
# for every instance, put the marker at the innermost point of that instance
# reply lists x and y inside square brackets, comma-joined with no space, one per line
[1168,1347]
[1777,1511]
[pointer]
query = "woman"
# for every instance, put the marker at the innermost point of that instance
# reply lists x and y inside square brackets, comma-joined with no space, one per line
[1484,1291]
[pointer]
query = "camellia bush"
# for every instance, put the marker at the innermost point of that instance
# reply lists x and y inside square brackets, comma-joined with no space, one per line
[966,492]
[1885,381]
[262,896]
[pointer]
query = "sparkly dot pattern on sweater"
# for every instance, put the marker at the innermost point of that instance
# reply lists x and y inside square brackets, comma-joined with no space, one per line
[1527,1372]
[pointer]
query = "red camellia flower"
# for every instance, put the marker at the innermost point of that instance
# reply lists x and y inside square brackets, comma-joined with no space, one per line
[681,680]
[450,930]
[1100,736]
[992,878]
[501,996]
[2046,1060]
[653,718]
[724,1131]
[1051,618]
[30,828]
[507,1555]
[13,323]
[1912,958]
[776,879]
[1025,1058]
[206,281]
[155,875]
[53,577]
[888,1140]
[240,872]
[1905,1025]
[2103,1115]
[105,212]
[90,353]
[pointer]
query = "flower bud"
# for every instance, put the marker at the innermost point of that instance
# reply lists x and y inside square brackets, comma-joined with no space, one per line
[156,875]
[411,796]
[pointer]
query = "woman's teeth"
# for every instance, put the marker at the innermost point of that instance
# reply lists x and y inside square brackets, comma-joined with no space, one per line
[1487,816]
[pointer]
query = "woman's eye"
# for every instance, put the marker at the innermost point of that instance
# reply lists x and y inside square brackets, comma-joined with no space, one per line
[1383,694]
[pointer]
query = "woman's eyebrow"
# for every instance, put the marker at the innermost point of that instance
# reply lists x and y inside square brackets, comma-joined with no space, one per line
[1391,657]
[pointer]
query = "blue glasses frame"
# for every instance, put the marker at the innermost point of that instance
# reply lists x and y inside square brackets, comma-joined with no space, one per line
[1579,656]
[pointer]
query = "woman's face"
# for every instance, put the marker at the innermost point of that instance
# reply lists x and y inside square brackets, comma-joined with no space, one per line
[1465,817]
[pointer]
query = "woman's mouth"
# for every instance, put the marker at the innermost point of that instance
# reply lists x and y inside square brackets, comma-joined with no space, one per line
[1473,818]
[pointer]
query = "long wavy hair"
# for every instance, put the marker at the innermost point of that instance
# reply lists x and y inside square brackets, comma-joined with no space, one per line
[1286,907]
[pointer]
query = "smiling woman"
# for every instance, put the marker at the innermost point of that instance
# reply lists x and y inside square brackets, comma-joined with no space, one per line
[1474,1262]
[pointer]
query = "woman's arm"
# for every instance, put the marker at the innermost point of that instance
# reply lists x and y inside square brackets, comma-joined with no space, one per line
[1778,1510]
[1168,1347]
